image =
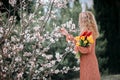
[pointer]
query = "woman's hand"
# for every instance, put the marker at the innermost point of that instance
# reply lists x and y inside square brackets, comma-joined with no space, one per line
[83,50]
[64,31]
[69,37]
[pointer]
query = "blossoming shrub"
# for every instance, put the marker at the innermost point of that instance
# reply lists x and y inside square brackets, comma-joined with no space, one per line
[33,49]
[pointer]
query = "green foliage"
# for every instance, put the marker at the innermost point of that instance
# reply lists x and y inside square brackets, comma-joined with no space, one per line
[68,13]
[100,52]
[107,14]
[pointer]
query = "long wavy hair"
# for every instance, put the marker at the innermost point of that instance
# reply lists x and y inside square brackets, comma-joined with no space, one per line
[87,20]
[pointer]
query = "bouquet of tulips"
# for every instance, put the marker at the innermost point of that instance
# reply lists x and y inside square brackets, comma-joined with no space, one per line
[84,40]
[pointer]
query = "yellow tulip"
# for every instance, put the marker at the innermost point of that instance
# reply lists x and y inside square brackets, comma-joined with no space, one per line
[85,42]
[90,39]
[82,38]
[77,38]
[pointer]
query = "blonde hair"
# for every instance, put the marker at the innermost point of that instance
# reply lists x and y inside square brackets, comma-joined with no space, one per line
[87,20]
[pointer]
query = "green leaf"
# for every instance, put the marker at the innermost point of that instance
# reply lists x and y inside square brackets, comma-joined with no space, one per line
[78,55]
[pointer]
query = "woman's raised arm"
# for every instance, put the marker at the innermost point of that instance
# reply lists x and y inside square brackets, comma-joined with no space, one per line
[69,37]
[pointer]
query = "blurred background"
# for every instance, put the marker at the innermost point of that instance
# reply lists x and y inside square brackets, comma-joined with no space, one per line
[22,18]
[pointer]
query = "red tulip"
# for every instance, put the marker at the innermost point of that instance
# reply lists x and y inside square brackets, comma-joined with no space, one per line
[84,33]
[89,33]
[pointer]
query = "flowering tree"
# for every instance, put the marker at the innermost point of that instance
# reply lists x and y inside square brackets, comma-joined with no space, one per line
[31,49]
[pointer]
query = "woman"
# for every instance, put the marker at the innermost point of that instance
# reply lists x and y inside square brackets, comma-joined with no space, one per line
[88,62]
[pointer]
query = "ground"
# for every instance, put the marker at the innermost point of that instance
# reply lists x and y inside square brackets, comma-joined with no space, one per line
[108,77]
[111,77]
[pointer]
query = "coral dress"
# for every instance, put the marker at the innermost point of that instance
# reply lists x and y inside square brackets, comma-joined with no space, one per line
[88,63]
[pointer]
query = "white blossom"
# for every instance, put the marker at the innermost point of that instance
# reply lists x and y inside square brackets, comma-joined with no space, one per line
[27,54]
[49,57]
[41,68]
[53,62]
[18,59]
[52,40]
[57,71]
[5,50]
[12,2]
[57,55]
[19,75]
[13,38]
[31,16]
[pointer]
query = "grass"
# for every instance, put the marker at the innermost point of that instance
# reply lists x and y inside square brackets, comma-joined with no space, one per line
[107,77]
